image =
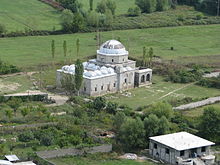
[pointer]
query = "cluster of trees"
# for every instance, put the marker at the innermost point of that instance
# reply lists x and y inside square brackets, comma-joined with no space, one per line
[213,82]
[70,135]
[75,19]
[147,57]
[149,6]
[6,68]
[209,6]
[184,76]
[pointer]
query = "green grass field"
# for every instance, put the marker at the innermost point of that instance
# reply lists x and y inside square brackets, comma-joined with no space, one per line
[96,159]
[161,91]
[122,6]
[30,14]
[188,41]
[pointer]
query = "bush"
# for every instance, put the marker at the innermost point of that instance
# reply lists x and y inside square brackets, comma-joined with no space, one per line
[7,68]
[136,11]
[26,136]
[99,103]
[213,82]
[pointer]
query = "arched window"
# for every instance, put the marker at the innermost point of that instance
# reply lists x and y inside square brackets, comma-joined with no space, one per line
[142,79]
[148,77]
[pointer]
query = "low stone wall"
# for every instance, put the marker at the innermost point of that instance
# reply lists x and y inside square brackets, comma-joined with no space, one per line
[197,104]
[74,151]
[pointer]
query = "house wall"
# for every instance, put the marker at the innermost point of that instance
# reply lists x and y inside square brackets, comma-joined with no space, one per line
[125,80]
[100,86]
[146,76]
[160,152]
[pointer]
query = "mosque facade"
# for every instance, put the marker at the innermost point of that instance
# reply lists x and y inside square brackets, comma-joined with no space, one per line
[110,72]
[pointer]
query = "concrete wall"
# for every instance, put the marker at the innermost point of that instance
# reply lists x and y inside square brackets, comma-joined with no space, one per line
[74,151]
[143,78]
[125,80]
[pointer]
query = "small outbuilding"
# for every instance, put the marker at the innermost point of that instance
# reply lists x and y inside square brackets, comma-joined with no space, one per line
[181,148]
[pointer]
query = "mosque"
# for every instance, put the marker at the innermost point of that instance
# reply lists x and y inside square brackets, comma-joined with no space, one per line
[110,72]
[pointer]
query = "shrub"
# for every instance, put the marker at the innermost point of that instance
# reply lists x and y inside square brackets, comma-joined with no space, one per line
[26,136]
[136,11]
[99,103]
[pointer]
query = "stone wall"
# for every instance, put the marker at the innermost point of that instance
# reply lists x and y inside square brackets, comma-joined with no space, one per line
[74,151]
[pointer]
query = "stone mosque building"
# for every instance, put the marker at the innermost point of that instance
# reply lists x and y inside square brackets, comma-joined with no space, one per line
[110,72]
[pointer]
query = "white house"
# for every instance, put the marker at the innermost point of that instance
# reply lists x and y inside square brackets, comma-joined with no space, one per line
[181,148]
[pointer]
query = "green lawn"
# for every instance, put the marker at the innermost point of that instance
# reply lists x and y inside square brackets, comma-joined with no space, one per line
[160,91]
[188,41]
[96,159]
[122,6]
[30,14]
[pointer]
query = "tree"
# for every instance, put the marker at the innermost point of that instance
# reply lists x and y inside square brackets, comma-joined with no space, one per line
[136,11]
[71,22]
[111,107]
[164,126]
[163,5]
[25,111]
[161,109]
[26,136]
[2,29]
[53,48]
[93,19]
[64,48]
[72,5]
[99,103]
[68,84]
[77,47]
[118,120]
[210,124]
[101,7]
[91,4]
[146,6]
[144,56]
[8,113]
[109,18]
[150,54]
[78,75]
[14,103]
[47,139]
[111,5]
[151,124]
[132,134]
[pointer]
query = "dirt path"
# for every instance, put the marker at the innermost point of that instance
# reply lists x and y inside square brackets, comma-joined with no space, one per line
[178,89]
[60,99]
[16,74]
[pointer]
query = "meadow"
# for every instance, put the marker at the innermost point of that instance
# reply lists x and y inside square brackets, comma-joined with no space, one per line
[28,14]
[187,41]
[161,91]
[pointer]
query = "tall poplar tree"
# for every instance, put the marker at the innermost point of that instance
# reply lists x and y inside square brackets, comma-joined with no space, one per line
[64,48]
[53,48]
[78,75]
[91,4]
[77,47]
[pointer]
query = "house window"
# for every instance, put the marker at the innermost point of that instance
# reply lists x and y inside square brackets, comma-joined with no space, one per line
[155,145]
[114,84]
[123,59]
[182,153]
[84,88]
[203,149]
[112,60]
[102,87]
[95,88]
[167,151]
[125,80]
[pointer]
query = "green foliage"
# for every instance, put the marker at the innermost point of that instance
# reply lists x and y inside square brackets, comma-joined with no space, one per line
[64,48]
[7,68]
[14,103]
[213,82]
[105,5]
[26,136]
[53,48]
[91,5]
[99,103]
[161,109]
[78,75]
[93,19]
[151,124]
[163,5]
[147,6]
[9,113]
[132,134]
[2,29]
[118,120]
[111,107]
[109,18]
[210,124]
[133,12]
[25,111]
[68,84]
[71,22]
[72,5]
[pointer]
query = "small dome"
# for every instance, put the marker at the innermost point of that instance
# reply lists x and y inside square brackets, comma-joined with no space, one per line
[112,47]
[65,68]
[98,72]
[129,68]
[87,74]
[71,68]
[103,68]
[104,71]
[110,70]
[85,64]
